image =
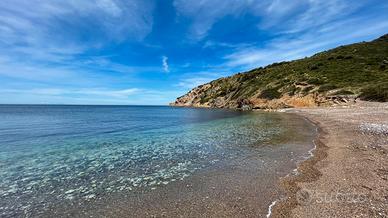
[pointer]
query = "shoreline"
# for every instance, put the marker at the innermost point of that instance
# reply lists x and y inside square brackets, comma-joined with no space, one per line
[337,165]
[306,172]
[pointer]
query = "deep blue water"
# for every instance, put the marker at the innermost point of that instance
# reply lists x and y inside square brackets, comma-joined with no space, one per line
[52,154]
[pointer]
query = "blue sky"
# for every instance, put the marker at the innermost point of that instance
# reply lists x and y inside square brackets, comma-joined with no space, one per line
[152,51]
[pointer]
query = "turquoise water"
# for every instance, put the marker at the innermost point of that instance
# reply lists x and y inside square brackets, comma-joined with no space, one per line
[55,154]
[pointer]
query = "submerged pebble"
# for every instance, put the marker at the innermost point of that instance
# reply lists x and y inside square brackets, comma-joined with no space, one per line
[90,196]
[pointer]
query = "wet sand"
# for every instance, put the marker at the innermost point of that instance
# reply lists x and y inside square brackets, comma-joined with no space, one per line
[348,175]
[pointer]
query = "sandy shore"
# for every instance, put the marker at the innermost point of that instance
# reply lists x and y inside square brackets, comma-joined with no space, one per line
[348,174]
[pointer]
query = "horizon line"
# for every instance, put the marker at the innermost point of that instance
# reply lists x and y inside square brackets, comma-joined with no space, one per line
[48,104]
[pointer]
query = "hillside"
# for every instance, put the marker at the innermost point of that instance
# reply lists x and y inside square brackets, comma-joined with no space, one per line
[353,71]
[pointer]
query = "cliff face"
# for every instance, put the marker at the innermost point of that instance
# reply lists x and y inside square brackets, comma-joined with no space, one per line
[338,75]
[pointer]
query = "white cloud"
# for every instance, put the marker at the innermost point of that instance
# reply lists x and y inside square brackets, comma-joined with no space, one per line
[205,13]
[102,92]
[56,27]
[319,12]
[165,64]
[215,44]
[194,79]
[190,83]
[44,41]
[48,43]
[124,93]
[71,91]
[290,48]
[130,96]
[279,16]
[110,7]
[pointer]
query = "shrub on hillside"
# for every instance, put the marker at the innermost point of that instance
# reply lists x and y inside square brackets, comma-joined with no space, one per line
[375,92]
[315,81]
[326,87]
[307,89]
[344,92]
[270,94]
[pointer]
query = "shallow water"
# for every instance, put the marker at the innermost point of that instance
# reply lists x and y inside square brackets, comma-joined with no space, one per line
[55,157]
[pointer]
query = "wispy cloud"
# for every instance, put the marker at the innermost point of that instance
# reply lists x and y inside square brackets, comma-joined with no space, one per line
[133,96]
[165,64]
[207,12]
[30,24]
[90,71]
[293,47]
[215,44]
[280,16]
[110,7]
[101,92]
[58,31]
[124,93]
[204,14]
[193,79]
[57,43]
[304,14]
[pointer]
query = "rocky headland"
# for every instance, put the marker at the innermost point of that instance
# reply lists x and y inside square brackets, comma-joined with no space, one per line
[340,75]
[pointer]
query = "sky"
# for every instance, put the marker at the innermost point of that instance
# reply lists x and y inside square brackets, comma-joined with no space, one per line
[148,52]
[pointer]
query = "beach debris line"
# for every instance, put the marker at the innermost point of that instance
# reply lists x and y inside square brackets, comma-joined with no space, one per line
[374,128]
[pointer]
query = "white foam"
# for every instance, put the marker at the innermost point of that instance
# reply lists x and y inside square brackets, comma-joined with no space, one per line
[270,208]
[295,171]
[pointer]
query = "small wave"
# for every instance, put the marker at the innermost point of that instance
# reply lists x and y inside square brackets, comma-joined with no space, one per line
[270,209]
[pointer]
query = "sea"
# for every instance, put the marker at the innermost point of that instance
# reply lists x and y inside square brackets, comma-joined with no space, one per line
[71,160]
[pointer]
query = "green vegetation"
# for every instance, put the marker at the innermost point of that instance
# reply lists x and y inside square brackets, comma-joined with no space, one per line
[326,87]
[377,92]
[343,92]
[270,93]
[357,69]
